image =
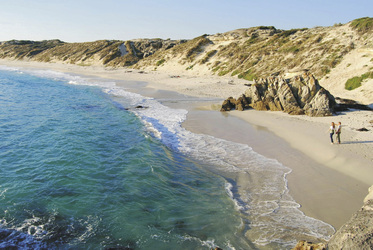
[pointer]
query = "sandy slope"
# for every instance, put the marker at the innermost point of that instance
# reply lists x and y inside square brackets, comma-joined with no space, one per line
[356,63]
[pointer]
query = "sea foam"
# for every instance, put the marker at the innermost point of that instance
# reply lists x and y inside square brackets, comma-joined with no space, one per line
[256,184]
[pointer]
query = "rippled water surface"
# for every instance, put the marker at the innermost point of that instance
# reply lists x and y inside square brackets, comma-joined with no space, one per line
[82,168]
[80,171]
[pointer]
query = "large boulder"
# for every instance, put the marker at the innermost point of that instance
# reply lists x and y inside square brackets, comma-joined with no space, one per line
[288,100]
[320,104]
[299,95]
[357,233]
[228,104]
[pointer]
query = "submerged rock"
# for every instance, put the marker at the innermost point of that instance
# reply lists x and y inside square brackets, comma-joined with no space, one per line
[299,95]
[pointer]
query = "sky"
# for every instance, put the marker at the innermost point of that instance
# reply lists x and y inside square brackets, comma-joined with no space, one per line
[91,20]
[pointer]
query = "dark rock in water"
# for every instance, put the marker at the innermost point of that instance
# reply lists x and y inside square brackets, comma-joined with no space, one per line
[231,103]
[362,129]
[4,234]
[12,239]
[140,107]
[357,233]
[228,104]
[180,224]
[296,96]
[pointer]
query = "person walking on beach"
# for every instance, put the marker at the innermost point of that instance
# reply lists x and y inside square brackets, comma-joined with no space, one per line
[338,132]
[331,132]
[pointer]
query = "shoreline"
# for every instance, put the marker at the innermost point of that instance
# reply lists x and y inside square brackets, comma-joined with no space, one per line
[329,181]
[323,190]
[324,179]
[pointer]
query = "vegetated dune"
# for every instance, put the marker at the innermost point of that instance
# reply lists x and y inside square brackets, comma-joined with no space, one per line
[332,54]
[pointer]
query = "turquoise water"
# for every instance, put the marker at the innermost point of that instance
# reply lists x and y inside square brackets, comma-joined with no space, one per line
[81,167]
[80,171]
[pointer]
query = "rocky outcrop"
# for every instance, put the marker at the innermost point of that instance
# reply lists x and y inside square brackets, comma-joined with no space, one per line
[357,233]
[304,245]
[299,95]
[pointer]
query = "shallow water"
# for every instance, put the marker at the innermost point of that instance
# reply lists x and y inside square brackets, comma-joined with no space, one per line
[82,167]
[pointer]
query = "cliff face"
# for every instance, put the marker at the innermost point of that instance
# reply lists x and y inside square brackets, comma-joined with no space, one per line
[357,233]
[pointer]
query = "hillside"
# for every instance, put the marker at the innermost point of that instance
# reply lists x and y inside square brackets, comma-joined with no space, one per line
[332,54]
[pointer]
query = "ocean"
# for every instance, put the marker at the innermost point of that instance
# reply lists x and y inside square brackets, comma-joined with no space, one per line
[85,164]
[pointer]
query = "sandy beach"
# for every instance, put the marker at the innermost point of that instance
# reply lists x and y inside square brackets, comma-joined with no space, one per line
[330,181]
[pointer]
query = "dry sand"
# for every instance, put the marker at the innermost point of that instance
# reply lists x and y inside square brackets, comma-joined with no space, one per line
[329,181]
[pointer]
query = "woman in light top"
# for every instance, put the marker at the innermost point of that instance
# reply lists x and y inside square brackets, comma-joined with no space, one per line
[331,132]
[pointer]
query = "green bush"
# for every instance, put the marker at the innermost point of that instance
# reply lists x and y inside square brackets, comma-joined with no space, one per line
[356,81]
[287,33]
[160,62]
[353,83]
[236,72]
[247,75]
[362,25]
[223,72]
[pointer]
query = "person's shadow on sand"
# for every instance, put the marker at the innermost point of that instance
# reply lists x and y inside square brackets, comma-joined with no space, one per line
[356,142]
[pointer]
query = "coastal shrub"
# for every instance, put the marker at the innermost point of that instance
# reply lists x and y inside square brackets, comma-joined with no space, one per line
[160,62]
[208,56]
[267,28]
[353,83]
[288,33]
[247,75]
[253,39]
[356,81]
[324,70]
[223,72]
[189,67]
[291,49]
[214,69]
[332,60]
[362,25]
[195,46]
[236,72]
